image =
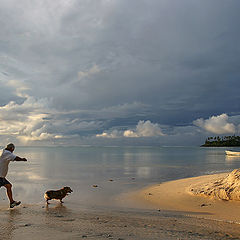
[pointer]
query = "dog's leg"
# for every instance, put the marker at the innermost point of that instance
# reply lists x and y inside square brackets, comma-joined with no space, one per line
[61,201]
[47,202]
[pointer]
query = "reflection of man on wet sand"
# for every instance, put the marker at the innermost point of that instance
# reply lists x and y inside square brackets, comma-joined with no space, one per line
[6,157]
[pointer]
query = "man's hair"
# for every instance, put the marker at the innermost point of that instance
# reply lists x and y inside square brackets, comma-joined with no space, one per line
[10,146]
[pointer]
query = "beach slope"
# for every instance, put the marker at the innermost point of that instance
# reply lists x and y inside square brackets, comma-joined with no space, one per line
[211,196]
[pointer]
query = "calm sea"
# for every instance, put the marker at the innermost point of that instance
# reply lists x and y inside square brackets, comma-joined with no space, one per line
[114,170]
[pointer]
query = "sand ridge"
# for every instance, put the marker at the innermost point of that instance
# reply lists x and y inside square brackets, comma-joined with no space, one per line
[226,188]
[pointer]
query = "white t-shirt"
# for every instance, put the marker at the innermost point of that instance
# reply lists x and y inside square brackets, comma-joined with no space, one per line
[5,159]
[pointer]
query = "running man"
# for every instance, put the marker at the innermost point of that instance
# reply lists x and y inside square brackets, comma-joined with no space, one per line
[6,157]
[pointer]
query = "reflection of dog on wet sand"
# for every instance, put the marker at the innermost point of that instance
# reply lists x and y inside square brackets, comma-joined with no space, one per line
[57,194]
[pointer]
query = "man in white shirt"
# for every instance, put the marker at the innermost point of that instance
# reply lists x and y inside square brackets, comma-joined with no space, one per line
[6,157]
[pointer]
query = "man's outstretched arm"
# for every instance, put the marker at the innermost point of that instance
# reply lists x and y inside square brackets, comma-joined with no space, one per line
[20,159]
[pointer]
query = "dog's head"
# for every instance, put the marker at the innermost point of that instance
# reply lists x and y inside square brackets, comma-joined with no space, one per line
[67,189]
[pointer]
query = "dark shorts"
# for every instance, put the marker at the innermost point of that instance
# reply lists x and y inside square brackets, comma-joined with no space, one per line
[3,181]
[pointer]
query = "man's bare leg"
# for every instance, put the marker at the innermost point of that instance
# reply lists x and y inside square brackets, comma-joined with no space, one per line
[9,192]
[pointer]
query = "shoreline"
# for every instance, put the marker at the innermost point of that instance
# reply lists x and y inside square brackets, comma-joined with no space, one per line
[176,196]
[176,214]
[61,222]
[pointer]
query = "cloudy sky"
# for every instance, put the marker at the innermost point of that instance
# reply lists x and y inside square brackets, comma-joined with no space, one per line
[112,72]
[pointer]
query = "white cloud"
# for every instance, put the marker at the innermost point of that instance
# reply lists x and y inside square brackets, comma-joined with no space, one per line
[33,120]
[26,121]
[36,136]
[112,134]
[19,86]
[82,75]
[216,124]
[143,129]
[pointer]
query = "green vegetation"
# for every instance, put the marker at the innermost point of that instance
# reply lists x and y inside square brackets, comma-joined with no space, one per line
[226,141]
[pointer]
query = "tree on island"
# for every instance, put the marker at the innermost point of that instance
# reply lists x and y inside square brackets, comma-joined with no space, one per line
[224,141]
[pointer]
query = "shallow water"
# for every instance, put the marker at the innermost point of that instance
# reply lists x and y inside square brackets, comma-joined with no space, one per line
[113,169]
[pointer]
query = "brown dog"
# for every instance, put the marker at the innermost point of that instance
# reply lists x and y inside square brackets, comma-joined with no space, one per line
[57,194]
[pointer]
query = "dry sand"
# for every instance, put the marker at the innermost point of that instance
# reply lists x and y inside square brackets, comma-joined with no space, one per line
[164,211]
[188,195]
[226,188]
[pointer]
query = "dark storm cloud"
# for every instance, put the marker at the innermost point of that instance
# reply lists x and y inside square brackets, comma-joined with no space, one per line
[106,64]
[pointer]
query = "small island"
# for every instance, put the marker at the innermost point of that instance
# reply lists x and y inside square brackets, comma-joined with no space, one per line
[224,141]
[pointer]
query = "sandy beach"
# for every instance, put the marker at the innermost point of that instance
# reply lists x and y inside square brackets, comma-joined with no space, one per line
[177,196]
[60,222]
[163,211]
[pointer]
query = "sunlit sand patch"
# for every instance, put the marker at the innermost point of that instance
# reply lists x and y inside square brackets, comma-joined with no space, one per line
[226,188]
[187,196]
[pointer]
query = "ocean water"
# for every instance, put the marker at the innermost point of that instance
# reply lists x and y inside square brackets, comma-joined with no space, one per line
[114,170]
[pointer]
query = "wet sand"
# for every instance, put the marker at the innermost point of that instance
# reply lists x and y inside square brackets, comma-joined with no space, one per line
[164,211]
[60,222]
